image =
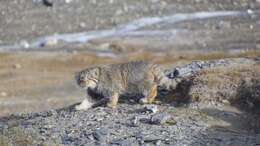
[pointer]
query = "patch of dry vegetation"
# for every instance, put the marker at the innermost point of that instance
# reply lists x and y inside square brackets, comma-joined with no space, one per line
[236,84]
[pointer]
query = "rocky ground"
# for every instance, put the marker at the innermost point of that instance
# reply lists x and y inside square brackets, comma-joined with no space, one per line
[42,46]
[202,110]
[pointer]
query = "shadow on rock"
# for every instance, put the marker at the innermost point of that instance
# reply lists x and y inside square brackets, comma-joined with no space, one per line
[180,95]
[233,128]
[248,95]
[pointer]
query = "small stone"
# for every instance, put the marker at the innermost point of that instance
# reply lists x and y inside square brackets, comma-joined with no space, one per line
[103,47]
[155,1]
[132,101]
[99,119]
[122,142]
[3,94]
[135,122]
[225,101]
[74,52]
[151,108]
[204,44]
[158,118]
[140,138]
[93,2]
[118,12]
[198,1]
[251,26]
[90,137]
[50,42]
[111,1]
[17,66]
[249,11]
[100,134]
[158,142]
[68,1]
[170,121]
[52,112]
[82,24]
[163,119]
[151,138]
[125,8]
[163,4]
[25,44]
[37,1]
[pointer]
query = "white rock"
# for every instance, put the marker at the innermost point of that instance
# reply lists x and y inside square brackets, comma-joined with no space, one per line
[249,11]
[111,1]
[17,66]
[3,94]
[93,1]
[104,46]
[82,24]
[74,52]
[25,44]
[68,1]
[118,12]
[85,104]
[163,4]
[251,26]
[51,42]
[125,8]
[225,101]
[152,108]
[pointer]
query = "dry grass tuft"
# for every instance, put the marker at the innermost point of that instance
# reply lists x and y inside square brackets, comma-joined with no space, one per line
[235,84]
[220,75]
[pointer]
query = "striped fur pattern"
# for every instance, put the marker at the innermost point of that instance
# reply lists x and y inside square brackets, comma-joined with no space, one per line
[111,81]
